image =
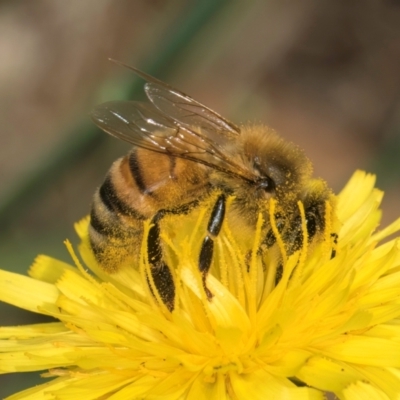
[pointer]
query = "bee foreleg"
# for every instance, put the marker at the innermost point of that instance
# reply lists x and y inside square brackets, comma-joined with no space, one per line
[315,223]
[160,272]
[335,238]
[207,248]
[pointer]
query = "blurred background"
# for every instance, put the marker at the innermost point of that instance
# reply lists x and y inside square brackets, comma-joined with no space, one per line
[324,74]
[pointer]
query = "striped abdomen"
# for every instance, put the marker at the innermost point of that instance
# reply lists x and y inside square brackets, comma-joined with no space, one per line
[136,187]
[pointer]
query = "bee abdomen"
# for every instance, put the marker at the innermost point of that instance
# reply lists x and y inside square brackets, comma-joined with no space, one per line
[102,226]
[136,172]
[113,203]
[115,227]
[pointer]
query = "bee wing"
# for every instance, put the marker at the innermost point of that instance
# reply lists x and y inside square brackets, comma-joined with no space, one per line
[135,123]
[183,109]
[143,125]
[189,112]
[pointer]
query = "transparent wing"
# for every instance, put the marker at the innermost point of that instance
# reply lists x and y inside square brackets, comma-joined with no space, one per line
[135,123]
[183,109]
[143,125]
[189,112]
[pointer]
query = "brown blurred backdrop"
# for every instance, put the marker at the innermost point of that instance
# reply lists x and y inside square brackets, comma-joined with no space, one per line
[324,74]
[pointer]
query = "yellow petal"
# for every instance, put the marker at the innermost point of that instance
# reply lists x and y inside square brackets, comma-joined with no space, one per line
[328,375]
[60,339]
[48,269]
[363,391]
[384,379]
[30,331]
[203,390]
[24,292]
[91,386]
[138,389]
[366,351]
[353,195]
[35,360]
[173,385]
[260,386]
[41,392]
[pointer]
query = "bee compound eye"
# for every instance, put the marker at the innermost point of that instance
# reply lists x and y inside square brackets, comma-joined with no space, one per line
[267,184]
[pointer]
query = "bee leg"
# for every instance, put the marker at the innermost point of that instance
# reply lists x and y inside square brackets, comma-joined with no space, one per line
[207,248]
[279,273]
[160,272]
[293,235]
[315,221]
[335,240]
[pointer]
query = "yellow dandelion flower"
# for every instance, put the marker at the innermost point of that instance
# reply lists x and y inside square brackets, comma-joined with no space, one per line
[328,325]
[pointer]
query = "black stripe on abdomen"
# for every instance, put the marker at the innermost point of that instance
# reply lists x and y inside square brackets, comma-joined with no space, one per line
[113,203]
[97,224]
[136,172]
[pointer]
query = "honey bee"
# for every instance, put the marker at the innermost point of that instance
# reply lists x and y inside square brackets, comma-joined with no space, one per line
[183,152]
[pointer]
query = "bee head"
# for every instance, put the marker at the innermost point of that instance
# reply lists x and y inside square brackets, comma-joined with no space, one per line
[280,168]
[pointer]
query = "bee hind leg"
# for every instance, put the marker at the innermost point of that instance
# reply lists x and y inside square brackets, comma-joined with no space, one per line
[160,272]
[207,248]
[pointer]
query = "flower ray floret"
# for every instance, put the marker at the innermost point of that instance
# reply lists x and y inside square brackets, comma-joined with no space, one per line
[328,324]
